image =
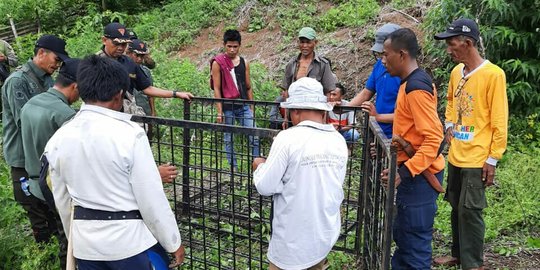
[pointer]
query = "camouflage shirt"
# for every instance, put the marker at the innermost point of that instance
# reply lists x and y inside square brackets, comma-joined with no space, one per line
[19,87]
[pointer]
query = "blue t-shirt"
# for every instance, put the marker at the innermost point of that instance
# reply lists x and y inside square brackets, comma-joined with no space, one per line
[386,87]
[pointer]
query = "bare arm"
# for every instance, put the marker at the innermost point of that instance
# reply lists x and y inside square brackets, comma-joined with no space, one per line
[249,90]
[216,78]
[363,96]
[152,106]
[158,92]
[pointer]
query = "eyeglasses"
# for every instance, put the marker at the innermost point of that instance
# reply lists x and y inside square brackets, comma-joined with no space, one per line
[461,83]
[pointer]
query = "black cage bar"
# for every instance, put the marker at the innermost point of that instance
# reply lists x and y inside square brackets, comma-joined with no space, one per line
[225,223]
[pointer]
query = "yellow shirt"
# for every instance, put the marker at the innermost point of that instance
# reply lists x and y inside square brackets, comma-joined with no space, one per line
[478,111]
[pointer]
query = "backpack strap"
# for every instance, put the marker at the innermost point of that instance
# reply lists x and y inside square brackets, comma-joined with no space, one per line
[26,70]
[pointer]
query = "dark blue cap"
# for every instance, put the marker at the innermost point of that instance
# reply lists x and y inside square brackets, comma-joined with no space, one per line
[69,68]
[54,44]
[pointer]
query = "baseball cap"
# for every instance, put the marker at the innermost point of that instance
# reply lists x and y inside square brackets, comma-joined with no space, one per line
[138,47]
[54,44]
[381,34]
[466,27]
[307,32]
[117,32]
[69,68]
[306,93]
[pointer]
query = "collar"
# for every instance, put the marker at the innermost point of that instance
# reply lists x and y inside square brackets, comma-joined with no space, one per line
[58,94]
[316,57]
[36,70]
[472,71]
[319,126]
[104,111]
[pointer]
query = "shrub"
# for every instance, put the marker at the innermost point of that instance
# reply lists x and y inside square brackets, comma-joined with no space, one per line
[510,37]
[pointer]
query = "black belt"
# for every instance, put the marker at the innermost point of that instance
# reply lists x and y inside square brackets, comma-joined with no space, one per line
[92,214]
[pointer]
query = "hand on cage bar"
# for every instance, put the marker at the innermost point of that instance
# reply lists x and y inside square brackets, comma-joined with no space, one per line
[385,176]
[167,172]
[179,255]
[372,150]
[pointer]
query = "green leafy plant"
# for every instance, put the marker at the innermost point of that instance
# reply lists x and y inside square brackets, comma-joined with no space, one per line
[510,37]
[349,14]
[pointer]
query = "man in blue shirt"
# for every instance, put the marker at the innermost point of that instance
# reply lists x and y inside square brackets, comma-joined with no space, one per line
[380,82]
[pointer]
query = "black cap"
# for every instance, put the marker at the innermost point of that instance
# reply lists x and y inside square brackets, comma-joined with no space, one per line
[69,68]
[54,44]
[117,32]
[138,47]
[465,27]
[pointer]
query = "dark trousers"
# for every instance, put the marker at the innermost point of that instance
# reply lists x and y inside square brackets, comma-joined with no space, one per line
[466,194]
[150,259]
[44,222]
[413,225]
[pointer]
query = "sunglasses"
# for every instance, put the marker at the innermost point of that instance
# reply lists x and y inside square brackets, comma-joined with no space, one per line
[116,43]
[460,87]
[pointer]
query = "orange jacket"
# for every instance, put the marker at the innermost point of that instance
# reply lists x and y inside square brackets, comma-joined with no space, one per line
[416,120]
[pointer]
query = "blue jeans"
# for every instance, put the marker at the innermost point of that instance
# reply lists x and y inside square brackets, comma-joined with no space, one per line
[413,225]
[350,135]
[150,259]
[244,117]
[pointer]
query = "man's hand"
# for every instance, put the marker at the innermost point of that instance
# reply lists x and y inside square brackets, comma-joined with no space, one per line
[336,125]
[385,176]
[2,57]
[219,118]
[258,161]
[372,150]
[184,95]
[284,125]
[179,255]
[367,106]
[167,172]
[449,134]
[488,174]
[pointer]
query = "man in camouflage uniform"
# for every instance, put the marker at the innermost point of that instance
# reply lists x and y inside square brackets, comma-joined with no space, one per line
[33,78]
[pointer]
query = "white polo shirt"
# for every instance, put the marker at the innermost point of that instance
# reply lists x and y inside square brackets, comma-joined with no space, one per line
[101,160]
[304,172]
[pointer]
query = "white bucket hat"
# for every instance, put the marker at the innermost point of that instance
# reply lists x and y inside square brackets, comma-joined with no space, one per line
[307,93]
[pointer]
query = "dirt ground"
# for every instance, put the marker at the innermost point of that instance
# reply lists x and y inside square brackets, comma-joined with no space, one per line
[348,49]
[524,259]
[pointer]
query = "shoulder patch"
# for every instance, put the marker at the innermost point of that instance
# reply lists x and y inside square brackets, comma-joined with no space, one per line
[419,80]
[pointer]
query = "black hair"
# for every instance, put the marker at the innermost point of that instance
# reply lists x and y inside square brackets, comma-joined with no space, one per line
[341,88]
[404,39]
[63,81]
[101,78]
[232,35]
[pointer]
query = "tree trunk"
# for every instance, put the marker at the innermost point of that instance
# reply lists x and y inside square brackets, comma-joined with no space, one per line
[103,5]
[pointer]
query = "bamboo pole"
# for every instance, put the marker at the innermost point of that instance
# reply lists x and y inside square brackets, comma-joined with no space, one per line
[14,30]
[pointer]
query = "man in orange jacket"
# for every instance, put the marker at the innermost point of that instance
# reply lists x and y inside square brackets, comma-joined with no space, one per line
[416,121]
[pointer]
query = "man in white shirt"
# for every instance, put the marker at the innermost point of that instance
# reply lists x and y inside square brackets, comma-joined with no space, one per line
[304,173]
[101,164]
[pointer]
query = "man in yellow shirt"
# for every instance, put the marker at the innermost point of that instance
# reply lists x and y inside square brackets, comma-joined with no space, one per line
[476,129]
